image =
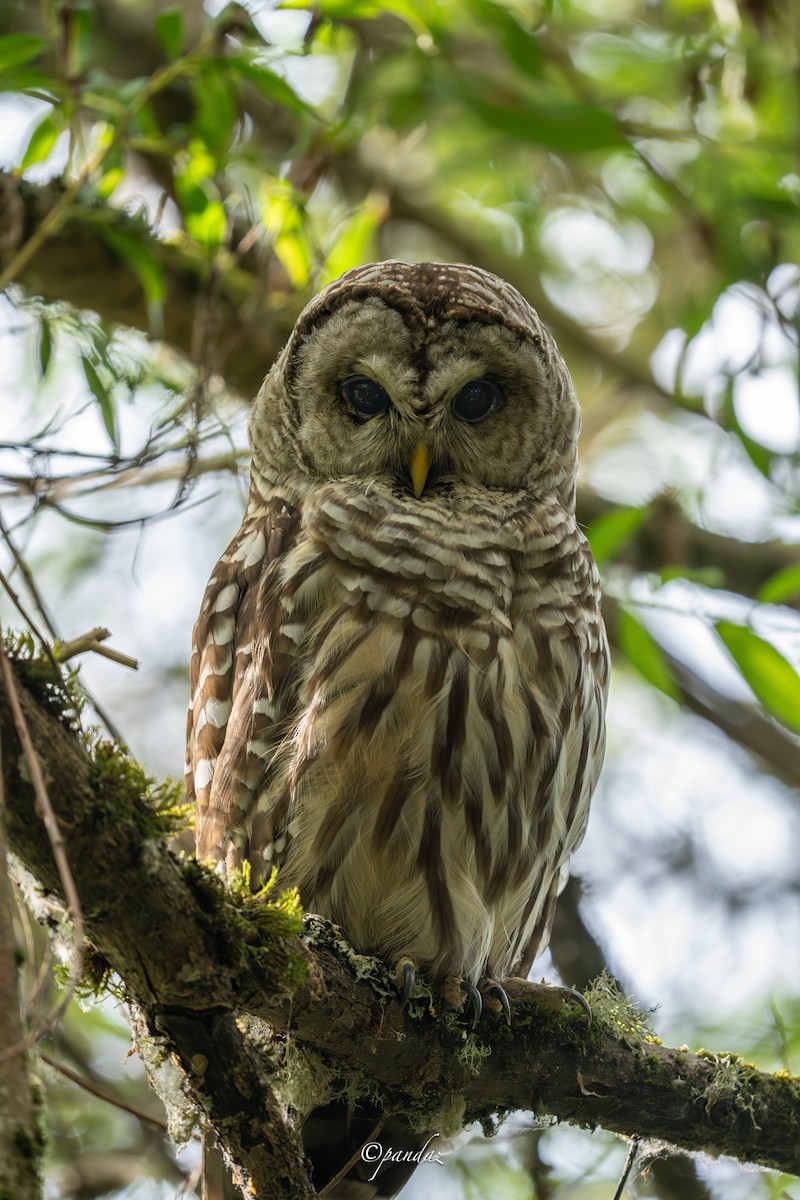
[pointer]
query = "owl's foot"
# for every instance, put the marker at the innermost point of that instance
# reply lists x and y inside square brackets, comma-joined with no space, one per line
[463,995]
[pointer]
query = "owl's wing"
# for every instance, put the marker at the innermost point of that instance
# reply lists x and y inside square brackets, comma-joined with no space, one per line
[238,686]
[575,754]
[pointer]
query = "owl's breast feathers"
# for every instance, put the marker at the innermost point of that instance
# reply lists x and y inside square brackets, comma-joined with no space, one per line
[402,704]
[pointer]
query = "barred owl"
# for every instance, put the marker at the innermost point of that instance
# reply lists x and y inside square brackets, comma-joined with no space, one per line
[399,670]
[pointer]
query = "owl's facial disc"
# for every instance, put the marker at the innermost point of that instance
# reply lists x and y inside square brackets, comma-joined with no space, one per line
[375,392]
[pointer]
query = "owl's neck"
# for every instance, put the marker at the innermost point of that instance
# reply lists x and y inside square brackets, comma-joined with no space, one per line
[463,549]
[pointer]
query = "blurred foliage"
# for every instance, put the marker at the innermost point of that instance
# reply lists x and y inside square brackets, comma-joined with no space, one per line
[632,169]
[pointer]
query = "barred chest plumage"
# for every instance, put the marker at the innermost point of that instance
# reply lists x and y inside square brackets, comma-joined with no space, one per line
[420,773]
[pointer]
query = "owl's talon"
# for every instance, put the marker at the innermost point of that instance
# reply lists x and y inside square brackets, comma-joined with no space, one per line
[502,996]
[408,968]
[579,998]
[409,979]
[474,998]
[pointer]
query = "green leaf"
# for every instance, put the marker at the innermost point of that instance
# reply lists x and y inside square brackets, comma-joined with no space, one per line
[613,530]
[285,221]
[25,79]
[354,242]
[43,139]
[169,31]
[566,127]
[518,42]
[773,679]
[209,226]
[270,84]
[644,653]
[707,577]
[105,400]
[783,585]
[16,49]
[143,262]
[45,345]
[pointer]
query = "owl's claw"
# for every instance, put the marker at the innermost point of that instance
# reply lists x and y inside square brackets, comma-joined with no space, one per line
[579,998]
[474,998]
[409,969]
[500,992]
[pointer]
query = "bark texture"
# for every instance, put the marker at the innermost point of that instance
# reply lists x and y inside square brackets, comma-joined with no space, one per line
[21,1141]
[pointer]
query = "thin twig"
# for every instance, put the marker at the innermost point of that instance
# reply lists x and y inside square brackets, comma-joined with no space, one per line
[45,810]
[39,602]
[91,643]
[626,1170]
[54,489]
[101,1093]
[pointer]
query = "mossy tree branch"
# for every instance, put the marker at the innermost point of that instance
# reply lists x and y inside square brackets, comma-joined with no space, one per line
[191,955]
[21,1138]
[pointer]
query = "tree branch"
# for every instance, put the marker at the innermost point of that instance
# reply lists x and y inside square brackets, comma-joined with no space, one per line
[21,1142]
[77,265]
[191,957]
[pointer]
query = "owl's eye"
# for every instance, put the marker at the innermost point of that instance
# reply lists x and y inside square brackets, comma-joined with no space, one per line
[477,401]
[366,397]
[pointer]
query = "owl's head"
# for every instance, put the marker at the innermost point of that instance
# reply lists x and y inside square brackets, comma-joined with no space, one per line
[421,376]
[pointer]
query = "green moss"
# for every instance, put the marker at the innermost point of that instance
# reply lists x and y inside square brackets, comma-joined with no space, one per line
[472,1054]
[96,981]
[57,689]
[123,783]
[616,1013]
[731,1081]
[787,1082]
[126,789]
[265,923]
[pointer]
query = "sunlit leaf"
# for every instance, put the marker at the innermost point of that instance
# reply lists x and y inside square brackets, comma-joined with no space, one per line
[772,678]
[17,49]
[613,530]
[355,241]
[419,15]
[284,220]
[169,30]
[43,139]
[108,183]
[105,401]
[210,226]
[644,653]
[783,585]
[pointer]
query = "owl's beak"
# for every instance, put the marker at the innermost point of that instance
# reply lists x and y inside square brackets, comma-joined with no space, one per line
[419,467]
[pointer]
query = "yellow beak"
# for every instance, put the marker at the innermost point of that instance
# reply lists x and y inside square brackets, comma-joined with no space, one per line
[420,466]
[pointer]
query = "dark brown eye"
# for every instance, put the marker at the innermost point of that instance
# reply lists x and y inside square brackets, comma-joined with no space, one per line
[477,401]
[366,397]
